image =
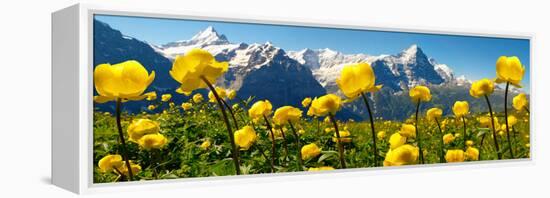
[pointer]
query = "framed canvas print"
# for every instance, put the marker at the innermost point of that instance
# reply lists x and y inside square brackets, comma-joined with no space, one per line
[167,98]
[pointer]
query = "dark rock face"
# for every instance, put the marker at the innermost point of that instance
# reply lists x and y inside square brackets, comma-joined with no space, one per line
[110,46]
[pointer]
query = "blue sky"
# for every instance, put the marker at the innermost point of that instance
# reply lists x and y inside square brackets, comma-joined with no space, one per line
[473,57]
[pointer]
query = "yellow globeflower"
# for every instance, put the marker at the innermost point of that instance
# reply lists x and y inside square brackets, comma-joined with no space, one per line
[461,108]
[509,69]
[434,113]
[306,102]
[196,64]
[322,168]
[420,93]
[140,127]
[285,114]
[397,140]
[151,96]
[136,168]
[166,97]
[198,98]
[520,102]
[110,162]
[344,136]
[454,155]
[408,131]
[221,93]
[448,138]
[186,106]
[482,87]
[512,120]
[485,121]
[301,131]
[205,145]
[310,151]
[381,135]
[152,141]
[402,155]
[260,109]
[356,79]
[151,107]
[127,81]
[245,137]
[231,94]
[471,154]
[323,105]
[469,143]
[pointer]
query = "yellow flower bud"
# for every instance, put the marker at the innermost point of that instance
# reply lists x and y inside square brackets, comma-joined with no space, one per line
[509,69]
[472,154]
[198,98]
[397,140]
[127,80]
[344,136]
[287,114]
[322,168]
[231,94]
[152,141]
[448,138]
[245,137]
[186,106]
[140,127]
[196,64]
[520,102]
[306,102]
[469,143]
[381,135]
[482,87]
[324,105]
[454,155]
[356,79]
[408,131]
[136,168]
[205,145]
[110,162]
[420,93]
[151,96]
[461,108]
[310,151]
[402,155]
[166,97]
[434,113]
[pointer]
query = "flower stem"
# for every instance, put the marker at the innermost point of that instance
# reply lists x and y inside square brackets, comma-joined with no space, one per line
[300,161]
[506,119]
[234,150]
[122,141]
[418,137]
[441,144]
[464,131]
[285,144]
[375,151]
[340,145]
[495,140]
[526,109]
[232,113]
[273,155]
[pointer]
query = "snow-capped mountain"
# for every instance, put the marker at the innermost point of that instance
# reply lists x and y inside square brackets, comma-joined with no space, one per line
[265,71]
[260,70]
[399,72]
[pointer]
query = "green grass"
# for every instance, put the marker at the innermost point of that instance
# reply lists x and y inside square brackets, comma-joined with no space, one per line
[186,130]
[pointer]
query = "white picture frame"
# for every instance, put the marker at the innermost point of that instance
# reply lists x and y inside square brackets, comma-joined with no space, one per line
[72,105]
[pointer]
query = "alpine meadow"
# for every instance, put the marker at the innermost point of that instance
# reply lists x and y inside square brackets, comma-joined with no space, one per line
[290,98]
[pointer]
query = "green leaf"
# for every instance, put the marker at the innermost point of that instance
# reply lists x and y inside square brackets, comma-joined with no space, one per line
[327,155]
